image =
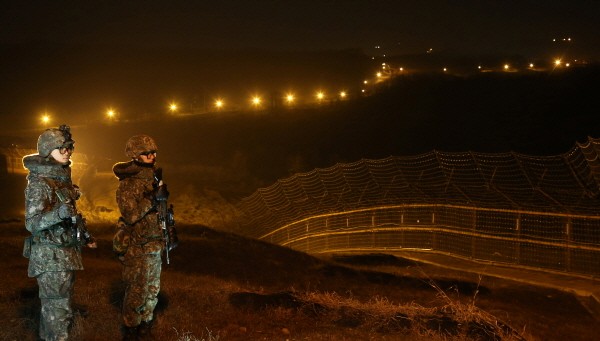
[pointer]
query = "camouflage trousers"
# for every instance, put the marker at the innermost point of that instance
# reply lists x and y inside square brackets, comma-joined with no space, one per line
[55,291]
[141,275]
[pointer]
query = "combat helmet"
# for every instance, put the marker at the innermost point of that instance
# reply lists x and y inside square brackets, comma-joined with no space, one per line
[54,138]
[139,144]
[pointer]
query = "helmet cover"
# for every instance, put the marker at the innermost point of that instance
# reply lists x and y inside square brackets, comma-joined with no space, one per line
[139,144]
[54,138]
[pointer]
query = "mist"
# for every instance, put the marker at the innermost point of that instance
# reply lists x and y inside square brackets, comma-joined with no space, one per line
[212,160]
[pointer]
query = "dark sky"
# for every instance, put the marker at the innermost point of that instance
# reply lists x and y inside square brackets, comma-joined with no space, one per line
[469,26]
[81,57]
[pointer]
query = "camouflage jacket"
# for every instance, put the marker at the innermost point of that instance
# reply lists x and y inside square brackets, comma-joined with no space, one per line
[53,246]
[135,197]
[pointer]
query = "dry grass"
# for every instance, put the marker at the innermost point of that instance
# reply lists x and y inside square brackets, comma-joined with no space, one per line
[224,287]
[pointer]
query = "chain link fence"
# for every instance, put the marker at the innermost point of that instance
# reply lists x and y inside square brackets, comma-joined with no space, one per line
[541,212]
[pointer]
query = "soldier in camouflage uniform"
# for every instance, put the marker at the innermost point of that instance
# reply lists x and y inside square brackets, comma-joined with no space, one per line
[139,240]
[53,250]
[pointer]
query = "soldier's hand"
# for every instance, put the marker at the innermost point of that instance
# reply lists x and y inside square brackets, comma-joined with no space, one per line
[161,193]
[66,211]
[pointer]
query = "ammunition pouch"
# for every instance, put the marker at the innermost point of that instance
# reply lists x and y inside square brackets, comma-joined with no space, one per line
[122,238]
[27,246]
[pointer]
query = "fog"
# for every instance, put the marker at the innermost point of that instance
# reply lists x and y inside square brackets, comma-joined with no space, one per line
[213,160]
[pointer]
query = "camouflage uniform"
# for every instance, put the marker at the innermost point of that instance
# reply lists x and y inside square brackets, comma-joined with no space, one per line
[54,253]
[142,258]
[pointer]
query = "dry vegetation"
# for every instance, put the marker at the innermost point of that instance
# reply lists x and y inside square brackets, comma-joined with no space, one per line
[221,286]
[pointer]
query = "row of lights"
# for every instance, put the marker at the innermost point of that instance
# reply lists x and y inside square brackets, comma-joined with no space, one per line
[387,69]
[256,101]
[290,98]
[219,104]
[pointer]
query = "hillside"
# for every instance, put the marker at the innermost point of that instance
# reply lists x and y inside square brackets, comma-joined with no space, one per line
[225,156]
[222,285]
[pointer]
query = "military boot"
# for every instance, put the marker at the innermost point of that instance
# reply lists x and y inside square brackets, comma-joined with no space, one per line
[145,331]
[130,333]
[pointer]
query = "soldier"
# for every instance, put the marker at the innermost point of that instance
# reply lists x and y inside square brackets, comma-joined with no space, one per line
[139,241]
[54,248]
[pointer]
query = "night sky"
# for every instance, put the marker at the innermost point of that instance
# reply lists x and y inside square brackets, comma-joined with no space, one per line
[468,26]
[86,56]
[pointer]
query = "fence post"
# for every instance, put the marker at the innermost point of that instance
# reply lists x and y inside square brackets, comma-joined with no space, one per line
[402,237]
[568,236]
[307,239]
[373,230]
[435,234]
[473,241]
[327,234]
[518,232]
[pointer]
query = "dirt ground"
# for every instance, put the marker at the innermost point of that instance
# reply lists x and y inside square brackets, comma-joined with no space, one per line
[248,265]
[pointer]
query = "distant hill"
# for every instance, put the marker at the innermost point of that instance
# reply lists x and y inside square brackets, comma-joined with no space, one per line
[235,153]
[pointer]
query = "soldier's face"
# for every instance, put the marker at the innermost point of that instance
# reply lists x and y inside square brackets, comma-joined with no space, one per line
[62,157]
[149,157]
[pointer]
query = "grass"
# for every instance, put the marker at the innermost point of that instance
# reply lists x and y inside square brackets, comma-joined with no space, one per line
[221,286]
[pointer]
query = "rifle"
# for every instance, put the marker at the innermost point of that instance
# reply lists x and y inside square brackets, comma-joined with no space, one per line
[78,224]
[166,217]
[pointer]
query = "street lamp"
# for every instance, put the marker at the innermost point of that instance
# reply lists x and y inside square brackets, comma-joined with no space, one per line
[343,94]
[173,107]
[320,96]
[45,118]
[219,104]
[289,98]
[256,101]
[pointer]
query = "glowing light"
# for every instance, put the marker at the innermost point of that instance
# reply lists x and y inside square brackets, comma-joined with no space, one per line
[219,103]
[401,69]
[343,94]
[378,74]
[557,62]
[320,95]
[365,82]
[173,107]
[445,69]
[45,118]
[256,101]
[110,113]
[506,66]
[568,64]
[290,98]
[531,65]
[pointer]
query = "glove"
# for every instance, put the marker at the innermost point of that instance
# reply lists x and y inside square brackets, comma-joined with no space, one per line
[161,193]
[66,211]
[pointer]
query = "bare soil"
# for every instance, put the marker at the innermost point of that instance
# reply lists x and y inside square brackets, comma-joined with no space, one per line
[222,284]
